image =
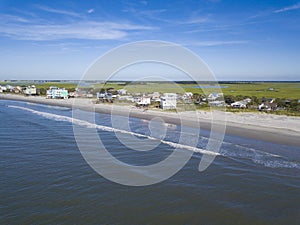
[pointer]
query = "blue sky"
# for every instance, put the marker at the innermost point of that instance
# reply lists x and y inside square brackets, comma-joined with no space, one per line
[239,40]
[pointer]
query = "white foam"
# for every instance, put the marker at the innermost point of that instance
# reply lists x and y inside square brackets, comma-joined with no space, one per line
[111,129]
[277,163]
[258,157]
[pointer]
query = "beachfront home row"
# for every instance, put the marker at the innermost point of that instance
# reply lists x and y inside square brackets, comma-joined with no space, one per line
[26,90]
[7,88]
[55,92]
[165,101]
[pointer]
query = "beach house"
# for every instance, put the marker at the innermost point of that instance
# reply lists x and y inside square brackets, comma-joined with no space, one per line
[3,88]
[168,101]
[144,101]
[155,96]
[268,106]
[55,92]
[187,97]
[240,105]
[17,90]
[81,93]
[104,97]
[30,90]
[214,96]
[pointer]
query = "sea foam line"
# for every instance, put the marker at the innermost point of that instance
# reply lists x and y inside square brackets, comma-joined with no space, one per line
[258,157]
[111,129]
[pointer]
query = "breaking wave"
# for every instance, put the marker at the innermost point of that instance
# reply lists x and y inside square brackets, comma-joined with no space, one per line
[111,129]
[259,157]
[229,150]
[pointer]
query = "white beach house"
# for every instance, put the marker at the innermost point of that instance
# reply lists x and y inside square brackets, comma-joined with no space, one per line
[187,95]
[55,92]
[3,89]
[30,90]
[241,104]
[168,101]
[105,97]
[215,96]
[155,97]
[268,106]
[144,101]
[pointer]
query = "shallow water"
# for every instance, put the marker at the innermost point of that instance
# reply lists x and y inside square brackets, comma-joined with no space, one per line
[45,180]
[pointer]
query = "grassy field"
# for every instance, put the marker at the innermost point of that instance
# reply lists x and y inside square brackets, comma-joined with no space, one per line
[268,90]
[258,89]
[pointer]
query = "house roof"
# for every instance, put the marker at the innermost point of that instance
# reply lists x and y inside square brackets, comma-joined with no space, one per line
[270,104]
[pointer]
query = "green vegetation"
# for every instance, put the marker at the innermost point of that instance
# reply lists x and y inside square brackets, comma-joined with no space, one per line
[258,89]
[267,90]
[148,87]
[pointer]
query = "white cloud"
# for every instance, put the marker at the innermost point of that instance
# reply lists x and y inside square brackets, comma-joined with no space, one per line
[216,43]
[288,8]
[144,2]
[92,30]
[17,19]
[90,11]
[153,12]
[147,13]
[57,11]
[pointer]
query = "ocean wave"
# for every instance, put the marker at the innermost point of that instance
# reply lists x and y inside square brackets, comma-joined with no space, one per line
[61,108]
[259,157]
[111,129]
[228,149]
[273,163]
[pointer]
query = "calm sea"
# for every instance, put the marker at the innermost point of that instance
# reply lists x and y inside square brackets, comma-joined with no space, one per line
[45,180]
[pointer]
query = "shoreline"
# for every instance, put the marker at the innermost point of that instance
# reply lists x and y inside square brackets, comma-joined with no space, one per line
[277,129]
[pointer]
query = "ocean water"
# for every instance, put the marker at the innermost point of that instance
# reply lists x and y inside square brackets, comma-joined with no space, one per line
[45,179]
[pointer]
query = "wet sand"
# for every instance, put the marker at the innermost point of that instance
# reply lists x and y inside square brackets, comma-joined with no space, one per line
[277,129]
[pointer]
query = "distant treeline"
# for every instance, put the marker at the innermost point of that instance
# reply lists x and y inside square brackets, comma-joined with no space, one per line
[143,82]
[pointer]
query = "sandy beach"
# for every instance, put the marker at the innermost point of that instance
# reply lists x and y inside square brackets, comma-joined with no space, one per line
[278,129]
